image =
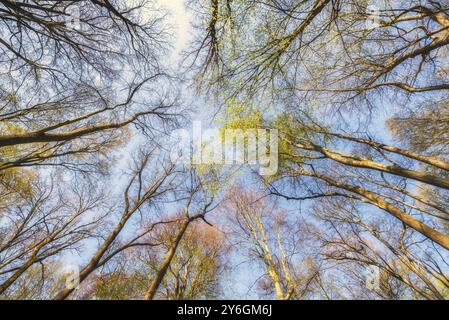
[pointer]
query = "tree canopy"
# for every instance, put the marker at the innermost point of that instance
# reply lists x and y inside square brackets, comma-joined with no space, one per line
[349,99]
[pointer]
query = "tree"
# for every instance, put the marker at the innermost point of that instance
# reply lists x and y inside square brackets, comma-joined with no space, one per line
[43,225]
[405,267]
[62,98]
[347,48]
[196,266]
[198,202]
[76,76]
[144,188]
[423,131]
[180,258]
[305,151]
[267,235]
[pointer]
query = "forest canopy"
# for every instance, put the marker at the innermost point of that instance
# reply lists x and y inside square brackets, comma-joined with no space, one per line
[347,100]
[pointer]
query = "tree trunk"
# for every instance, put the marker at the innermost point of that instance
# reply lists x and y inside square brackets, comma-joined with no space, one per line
[372,198]
[155,283]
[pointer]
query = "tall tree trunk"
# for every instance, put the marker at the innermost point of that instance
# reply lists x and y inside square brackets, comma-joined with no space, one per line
[93,263]
[372,198]
[157,279]
[406,153]
[359,162]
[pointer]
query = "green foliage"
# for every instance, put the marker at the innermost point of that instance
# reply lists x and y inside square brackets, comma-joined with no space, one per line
[119,286]
[235,116]
[290,130]
[17,179]
[241,116]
